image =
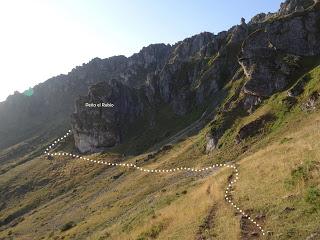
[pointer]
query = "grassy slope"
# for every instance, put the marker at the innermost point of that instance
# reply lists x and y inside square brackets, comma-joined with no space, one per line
[277,172]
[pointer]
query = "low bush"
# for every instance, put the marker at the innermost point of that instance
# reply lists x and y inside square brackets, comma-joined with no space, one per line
[313,196]
[67,226]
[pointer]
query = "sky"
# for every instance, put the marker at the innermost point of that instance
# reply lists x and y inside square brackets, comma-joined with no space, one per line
[40,39]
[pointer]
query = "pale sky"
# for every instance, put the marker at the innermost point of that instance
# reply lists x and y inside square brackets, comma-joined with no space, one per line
[40,39]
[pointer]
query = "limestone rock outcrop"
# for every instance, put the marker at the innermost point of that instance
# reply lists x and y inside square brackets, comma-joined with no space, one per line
[271,55]
[99,118]
[291,6]
[190,72]
[189,75]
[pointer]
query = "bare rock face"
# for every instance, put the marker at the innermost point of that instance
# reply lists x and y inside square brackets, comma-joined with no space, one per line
[98,118]
[266,69]
[260,18]
[271,54]
[143,66]
[212,142]
[157,75]
[239,32]
[251,102]
[291,6]
[183,69]
[312,102]
[188,74]
[296,35]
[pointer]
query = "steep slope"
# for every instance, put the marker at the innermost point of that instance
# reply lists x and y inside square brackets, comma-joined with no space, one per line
[62,197]
[52,102]
[269,56]
[248,96]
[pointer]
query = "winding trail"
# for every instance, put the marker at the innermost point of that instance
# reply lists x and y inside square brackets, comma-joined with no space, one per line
[172,170]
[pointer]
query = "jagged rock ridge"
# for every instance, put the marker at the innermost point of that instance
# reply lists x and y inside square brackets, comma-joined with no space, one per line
[187,75]
[196,68]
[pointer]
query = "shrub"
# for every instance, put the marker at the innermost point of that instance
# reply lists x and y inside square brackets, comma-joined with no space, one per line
[184,192]
[67,226]
[301,173]
[313,196]
[152,233]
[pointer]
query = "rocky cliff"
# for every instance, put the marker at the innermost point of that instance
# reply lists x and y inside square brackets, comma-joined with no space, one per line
[267,54]
[248,96]
[184,79]
[99,118]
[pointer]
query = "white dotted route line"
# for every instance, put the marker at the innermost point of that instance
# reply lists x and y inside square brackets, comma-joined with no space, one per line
[181,169]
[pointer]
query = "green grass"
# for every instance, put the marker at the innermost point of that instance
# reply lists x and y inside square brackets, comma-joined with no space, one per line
[301,173]
[279,170]
[313,196]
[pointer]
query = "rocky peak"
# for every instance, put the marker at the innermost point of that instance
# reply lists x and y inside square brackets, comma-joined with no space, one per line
[151,55]
[271,54]
[239,32]
[182,77]
[290,6]
[191,47]
[243,21]
[99,69]
[261,17]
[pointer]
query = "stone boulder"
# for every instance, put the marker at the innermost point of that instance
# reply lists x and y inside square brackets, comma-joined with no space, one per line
[312,102]
[253,128]
[212,142]
[96,127]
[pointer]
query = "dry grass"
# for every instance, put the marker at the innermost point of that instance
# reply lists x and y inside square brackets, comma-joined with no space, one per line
[263,175]
[136,205]
[117,203]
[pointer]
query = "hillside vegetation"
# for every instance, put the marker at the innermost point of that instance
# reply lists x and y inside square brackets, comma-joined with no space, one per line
[249,96]
[64,198]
